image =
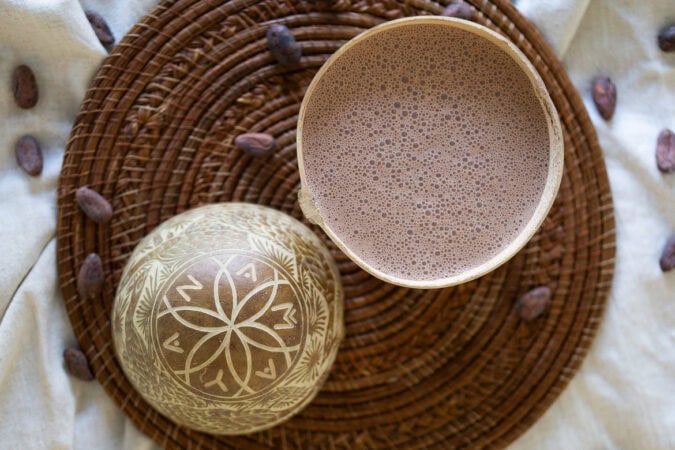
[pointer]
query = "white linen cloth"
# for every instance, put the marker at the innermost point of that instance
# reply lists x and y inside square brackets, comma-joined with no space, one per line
[623,397]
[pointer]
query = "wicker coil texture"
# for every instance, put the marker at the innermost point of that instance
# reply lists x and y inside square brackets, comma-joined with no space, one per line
[448,368]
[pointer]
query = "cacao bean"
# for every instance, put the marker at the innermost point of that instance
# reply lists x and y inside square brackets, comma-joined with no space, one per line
[666,38]
[25,87]
[458,10]
[667,261]
[283,46]
[604,96]
[534,303]
[665,151]
[77,365]
[90,278]
[256,144]
[29,155]
[94,205]
[101,29]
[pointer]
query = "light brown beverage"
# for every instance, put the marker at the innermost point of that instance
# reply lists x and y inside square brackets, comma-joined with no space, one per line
[426,150]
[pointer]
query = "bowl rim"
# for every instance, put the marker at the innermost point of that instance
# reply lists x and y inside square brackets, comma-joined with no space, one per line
[555,167]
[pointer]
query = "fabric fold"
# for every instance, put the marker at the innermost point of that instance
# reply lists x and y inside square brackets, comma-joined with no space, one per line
[557,20]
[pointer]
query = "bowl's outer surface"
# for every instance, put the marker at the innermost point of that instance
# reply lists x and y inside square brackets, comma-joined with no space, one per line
[228,317]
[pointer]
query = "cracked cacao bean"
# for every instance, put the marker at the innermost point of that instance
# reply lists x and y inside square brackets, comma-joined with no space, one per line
[459,10]
[665,151]
[256,144]
[25,87]
[604,96]
[667,261]
[77,365]
[283,46]
[29,155]
[666,39]
[101,29]
[534,303]
[94,205]
[90,278]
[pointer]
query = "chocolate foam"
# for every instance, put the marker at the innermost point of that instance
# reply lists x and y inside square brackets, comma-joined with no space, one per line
[425,150]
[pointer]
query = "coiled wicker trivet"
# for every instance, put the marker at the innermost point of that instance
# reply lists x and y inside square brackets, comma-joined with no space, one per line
[450,368]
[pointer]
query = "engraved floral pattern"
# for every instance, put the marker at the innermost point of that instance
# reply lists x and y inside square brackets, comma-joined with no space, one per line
[227,317]
[255,317]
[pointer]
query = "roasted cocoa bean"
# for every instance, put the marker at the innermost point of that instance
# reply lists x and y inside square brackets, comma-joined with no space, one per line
[667,261]
[666,38]
[283,46]
[101,29]
[90,278]
[534,303]
[458,10]
[256,144]
[94,205]
[77,365]
[29,155]
[25,87]
[604,96]
[665,151]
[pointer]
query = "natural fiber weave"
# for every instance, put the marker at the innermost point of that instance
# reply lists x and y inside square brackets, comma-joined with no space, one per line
[450,368]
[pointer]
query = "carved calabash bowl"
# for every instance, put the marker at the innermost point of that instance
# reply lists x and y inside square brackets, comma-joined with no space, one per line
[228,318]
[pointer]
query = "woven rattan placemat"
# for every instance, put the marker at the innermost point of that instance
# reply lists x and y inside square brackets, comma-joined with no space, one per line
[450,368]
